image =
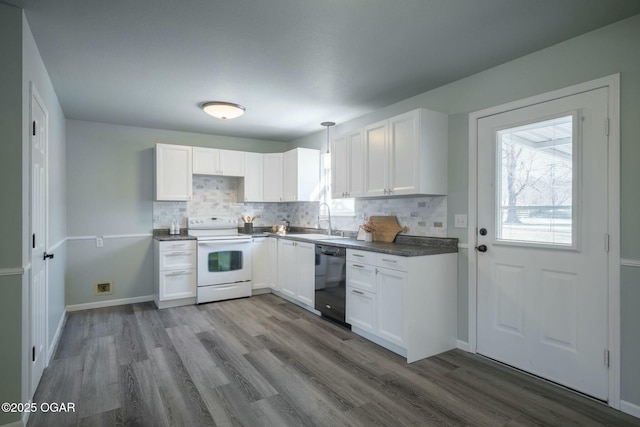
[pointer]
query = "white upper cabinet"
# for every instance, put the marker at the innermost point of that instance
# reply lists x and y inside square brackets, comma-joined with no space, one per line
[301,175]
[406,155]
[253,188]
[214,161]
[173,172]
[376,162]
[347,165]
[273,176]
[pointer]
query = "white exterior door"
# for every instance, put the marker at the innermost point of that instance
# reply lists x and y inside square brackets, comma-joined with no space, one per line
[542,258]
[38,291]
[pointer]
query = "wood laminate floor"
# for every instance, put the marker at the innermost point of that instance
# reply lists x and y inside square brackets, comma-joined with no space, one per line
[262,361]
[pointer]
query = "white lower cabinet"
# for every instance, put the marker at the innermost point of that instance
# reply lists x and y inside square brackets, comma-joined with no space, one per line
[262,267]
[361,309]
[296,271]
[405,304]
[175,273]
[392,293]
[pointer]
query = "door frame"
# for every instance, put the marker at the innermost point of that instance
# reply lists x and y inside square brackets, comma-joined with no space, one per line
[611,82]
[35,96]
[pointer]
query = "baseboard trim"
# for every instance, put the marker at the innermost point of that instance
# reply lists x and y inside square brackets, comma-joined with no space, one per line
[108,303]
[462,345]
[56,338]
[630,408]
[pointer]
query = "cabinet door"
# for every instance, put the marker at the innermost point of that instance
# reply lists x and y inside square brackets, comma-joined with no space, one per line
[339,168]
[355,145]
[176,284]
[272,189]
[231,163]
[173,172]
[287,280]
[392,295]
[376,164]
[206,161]
[290,175]
[253,177]
[361,309]
[261,262]
[404,153]
[273,259]
[306,266]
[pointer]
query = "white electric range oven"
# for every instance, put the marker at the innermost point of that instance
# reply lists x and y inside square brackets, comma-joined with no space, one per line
[224,259]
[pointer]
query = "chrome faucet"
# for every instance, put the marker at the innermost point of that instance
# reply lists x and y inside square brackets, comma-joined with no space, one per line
[328,216]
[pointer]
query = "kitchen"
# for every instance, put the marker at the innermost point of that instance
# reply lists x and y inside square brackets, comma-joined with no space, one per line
[118,160]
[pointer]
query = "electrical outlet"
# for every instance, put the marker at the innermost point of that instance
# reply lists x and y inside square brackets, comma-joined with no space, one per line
[460,221]
[99,242]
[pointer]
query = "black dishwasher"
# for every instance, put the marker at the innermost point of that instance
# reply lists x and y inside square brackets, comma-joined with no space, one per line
[331,280]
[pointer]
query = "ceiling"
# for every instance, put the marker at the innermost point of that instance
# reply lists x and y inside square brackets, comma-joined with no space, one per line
[291,63]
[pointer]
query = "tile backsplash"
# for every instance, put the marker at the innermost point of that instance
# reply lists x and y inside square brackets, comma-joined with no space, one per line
[423,216]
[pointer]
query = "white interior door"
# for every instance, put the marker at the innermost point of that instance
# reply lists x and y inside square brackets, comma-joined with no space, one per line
[542,277]
[38,289]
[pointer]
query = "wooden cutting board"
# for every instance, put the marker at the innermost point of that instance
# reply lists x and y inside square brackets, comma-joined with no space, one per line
[386,228]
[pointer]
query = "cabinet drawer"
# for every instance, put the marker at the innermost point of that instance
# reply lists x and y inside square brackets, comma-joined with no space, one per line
[362,257]
[177,259]
[361,309]
[361,276]
[177,284]
[392,261]
[175,245]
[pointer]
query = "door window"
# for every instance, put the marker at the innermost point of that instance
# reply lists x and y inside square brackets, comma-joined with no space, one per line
[536,185]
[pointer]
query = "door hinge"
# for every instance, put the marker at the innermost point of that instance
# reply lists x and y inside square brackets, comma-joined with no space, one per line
[606,358]
[34,128]
[33,241]
[33,353]
[606,242]
[606,126]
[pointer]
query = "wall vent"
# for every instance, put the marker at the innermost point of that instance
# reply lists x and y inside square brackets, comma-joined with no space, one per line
[104,288]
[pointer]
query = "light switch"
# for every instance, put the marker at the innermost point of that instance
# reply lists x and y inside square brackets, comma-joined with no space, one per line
[460,221]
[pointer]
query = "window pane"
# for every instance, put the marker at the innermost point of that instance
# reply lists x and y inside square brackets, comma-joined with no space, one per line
[535,182]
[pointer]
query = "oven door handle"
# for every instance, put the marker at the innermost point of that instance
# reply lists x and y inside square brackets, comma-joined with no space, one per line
[224,242]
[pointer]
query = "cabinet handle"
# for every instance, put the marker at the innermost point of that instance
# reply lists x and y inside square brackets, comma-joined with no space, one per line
[358,255]
[177,253]
[178,273]
[357,292]
[358,265]
[389,260]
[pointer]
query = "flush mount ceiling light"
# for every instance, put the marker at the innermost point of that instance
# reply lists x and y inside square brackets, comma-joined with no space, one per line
[223,110]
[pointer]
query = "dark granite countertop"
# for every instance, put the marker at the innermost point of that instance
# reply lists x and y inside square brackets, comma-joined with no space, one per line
[403,246]
[164,236]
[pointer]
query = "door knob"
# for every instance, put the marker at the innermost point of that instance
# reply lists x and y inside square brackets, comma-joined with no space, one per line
[483,231]
[481,248]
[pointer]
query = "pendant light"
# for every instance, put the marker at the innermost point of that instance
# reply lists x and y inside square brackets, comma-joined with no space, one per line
[326,157]
[223,110]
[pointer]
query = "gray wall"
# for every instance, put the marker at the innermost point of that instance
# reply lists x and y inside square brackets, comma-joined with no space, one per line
[110,174]
[609,50]
[11,211]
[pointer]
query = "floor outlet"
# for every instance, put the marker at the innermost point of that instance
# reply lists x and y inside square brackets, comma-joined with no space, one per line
[104,288]
[99,242]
